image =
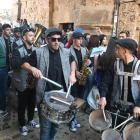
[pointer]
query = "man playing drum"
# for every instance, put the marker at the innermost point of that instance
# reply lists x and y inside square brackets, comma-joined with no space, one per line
[55,63]
[125,95]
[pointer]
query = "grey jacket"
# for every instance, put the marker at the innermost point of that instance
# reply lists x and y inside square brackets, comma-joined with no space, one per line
[118,82]
[83,52]
[19,75]
[19,42]
[43,65]
[2,41]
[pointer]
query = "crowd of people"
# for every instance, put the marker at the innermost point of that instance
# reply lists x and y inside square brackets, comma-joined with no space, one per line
[61,59]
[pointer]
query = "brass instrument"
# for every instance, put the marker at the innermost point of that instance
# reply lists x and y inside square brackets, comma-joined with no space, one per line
[40,30]
[84,70]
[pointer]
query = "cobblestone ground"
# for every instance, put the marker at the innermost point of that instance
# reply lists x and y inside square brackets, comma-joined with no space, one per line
[9,127]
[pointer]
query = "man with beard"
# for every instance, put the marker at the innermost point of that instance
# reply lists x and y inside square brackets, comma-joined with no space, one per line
[55,63]
[17,37]
[26,94]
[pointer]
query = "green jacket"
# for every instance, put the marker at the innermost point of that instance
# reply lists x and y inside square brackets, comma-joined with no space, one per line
[2,57]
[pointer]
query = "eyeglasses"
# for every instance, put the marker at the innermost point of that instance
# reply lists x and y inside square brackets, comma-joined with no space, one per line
[54,39]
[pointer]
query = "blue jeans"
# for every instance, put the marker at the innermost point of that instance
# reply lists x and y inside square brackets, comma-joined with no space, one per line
[3,87]
[89,85]
[47,128]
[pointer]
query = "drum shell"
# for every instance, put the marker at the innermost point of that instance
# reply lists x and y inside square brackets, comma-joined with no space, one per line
[54,115]
[111,134]
[129,129]
[96,114]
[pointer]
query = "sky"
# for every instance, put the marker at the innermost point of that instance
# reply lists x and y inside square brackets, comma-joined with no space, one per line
[6,4]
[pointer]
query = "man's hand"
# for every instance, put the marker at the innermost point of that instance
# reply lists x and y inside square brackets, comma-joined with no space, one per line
[136,112]
[97,29]
[102,103]
[78,75]
[36,73]
[72,79]
[88,62]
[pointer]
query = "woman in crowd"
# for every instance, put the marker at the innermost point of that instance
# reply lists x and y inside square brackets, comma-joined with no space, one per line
[105,60]
[93,42]
[70,42]
[87,36]
[25,23]
[103,42]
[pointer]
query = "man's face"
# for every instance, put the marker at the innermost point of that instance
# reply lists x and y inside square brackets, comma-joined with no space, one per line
[78,41]
[7,32]
[120,51]
[43,36]
[123,35]
[17,34]
[63,33]
[87,38]
[54,41]
[29,38]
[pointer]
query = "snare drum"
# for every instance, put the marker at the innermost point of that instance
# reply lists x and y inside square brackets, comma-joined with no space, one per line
[111,134]
[132,131]
[54,111]
[97,122]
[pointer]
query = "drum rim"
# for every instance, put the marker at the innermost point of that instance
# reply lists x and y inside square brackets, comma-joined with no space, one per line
[59,92]
[96,128]
[111,129]
[127,126]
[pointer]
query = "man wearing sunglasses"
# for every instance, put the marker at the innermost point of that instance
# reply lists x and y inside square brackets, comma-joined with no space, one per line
[55,63]
[26,93]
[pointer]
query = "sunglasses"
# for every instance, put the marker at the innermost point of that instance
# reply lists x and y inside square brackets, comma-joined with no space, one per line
[54,39]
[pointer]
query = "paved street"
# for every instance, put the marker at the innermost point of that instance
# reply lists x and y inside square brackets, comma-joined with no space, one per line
[9,127]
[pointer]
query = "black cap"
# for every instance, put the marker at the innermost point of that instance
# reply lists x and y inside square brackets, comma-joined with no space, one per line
[16,29]
[22,27]
[4,26]
[127,43]
[52,31]
[77,35]
[27,30]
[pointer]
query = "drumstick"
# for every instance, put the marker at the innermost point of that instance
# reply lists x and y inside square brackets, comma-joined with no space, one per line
[68,91]
[104,114]
[52,82]
[123,123]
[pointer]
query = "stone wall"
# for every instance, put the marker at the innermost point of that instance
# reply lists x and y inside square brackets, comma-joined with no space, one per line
[83,13]
[129,18]
[36,11]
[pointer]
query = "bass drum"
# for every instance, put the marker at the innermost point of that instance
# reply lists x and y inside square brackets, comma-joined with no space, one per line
[56,112]
[97,122]
[111,134]
[132,131]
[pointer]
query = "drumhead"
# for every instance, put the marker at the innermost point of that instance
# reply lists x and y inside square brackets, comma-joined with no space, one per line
[97,122]
[132,131]
[57,106]
[111,134]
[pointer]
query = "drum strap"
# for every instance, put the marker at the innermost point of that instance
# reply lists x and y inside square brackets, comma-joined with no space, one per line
[126,74]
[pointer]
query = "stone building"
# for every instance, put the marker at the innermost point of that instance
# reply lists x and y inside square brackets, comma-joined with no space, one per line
[86,14]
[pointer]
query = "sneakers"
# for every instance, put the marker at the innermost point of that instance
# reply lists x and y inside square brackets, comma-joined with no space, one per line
[34,124]
[76,123]
[24,130]
[36,109]
[3,113]
[72,126]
